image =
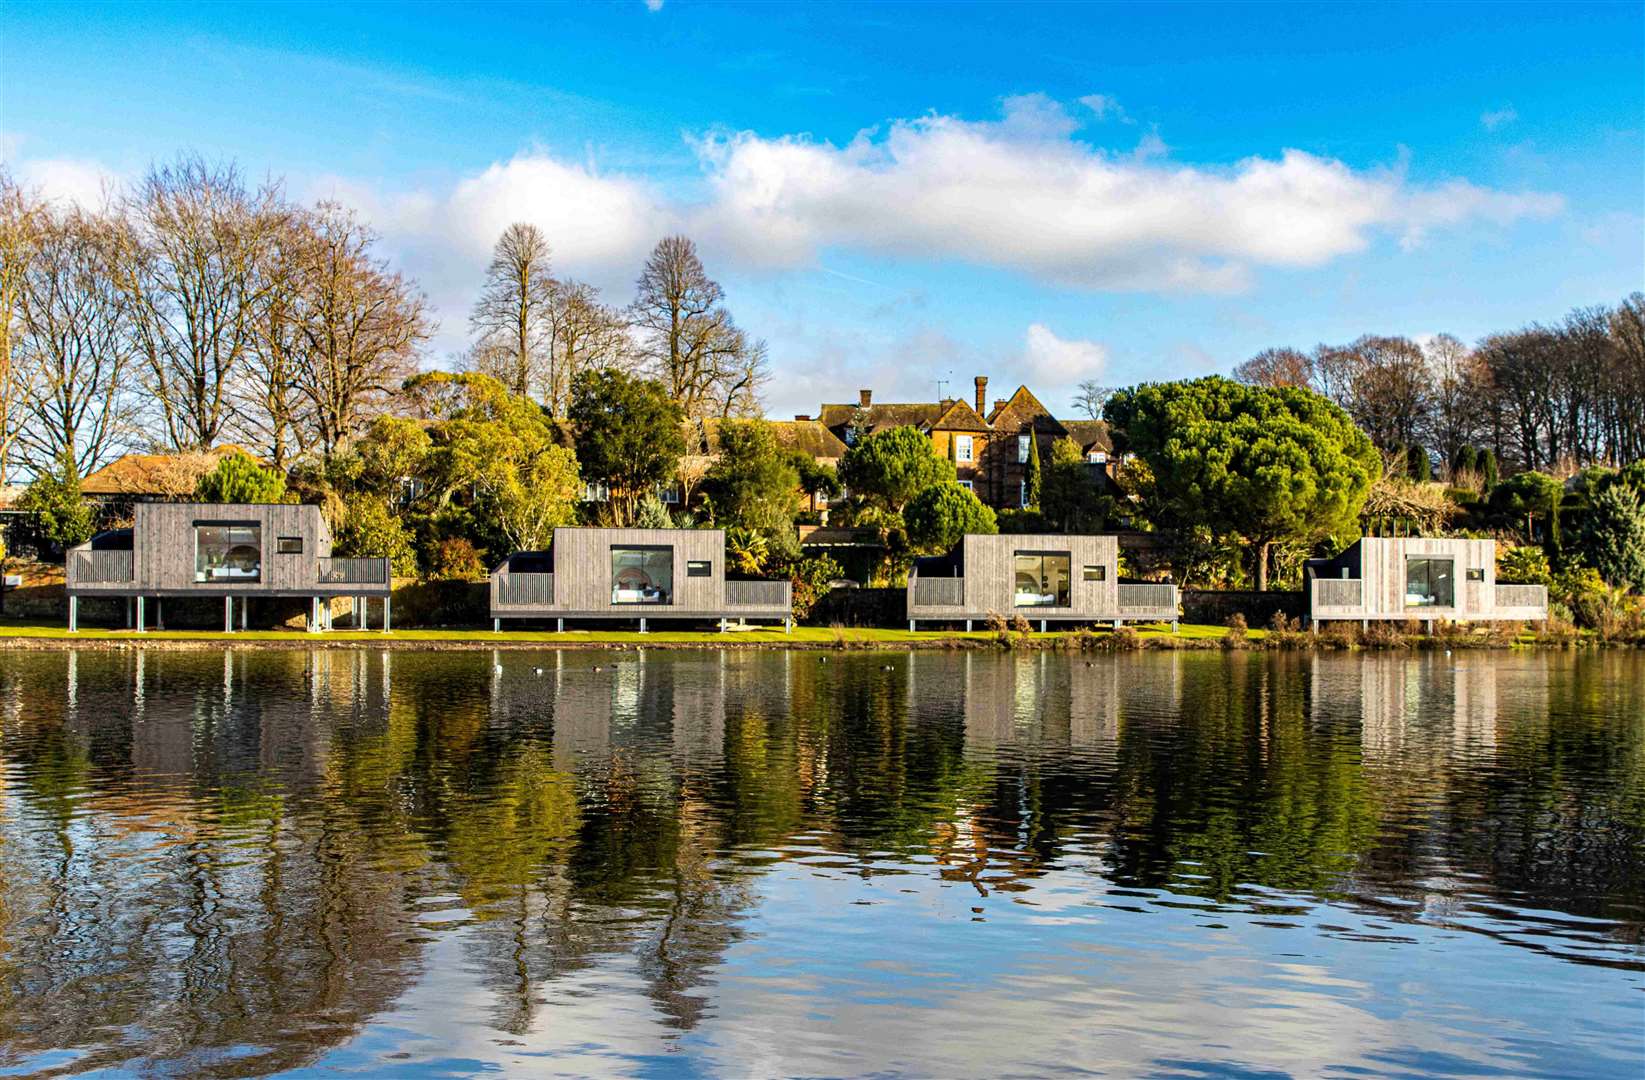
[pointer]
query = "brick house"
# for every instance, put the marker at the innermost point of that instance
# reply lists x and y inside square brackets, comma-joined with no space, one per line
[989,445]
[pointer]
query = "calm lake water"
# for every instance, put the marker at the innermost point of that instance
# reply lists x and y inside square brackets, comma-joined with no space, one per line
[750,864]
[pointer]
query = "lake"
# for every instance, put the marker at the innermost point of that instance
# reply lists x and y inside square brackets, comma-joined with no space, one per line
[763,863]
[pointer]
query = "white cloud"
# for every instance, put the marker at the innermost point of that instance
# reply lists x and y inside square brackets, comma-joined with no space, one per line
[1051,363]
[1022,194]
[1497,118]
[1106,108]
[70,180]
[653,5]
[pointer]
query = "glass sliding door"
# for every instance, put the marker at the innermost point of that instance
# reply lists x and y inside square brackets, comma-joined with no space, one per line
[1430,582]
[228,552]
[642,575]
[1041,578]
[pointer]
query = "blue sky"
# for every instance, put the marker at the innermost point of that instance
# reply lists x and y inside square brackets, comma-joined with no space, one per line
[898,195]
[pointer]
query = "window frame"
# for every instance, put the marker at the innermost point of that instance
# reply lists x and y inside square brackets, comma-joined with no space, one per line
[1061,599]
[1101,572]
[202,576]
[964,449]
[280,547]
[649,549]
[1475,573]
[969,485]
[1023,443]
[1428,562]
[699,568]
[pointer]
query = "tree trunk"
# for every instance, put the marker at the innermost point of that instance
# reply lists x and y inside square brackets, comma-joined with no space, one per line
[1262,566]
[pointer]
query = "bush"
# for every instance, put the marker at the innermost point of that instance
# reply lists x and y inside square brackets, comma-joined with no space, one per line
[64,516]
[370,530]
[1237,632]
[457,559]
[1613,536]
[1125,639]
[809,578]
[1523,565]
[239,479]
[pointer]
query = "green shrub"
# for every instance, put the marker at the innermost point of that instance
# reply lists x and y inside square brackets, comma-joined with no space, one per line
[64,516]
[239,479]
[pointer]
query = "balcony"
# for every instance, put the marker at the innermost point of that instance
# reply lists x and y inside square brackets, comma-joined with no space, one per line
[1142,601]
[353,572]
[764,595]
[1522,601]
[522,590]
[93,568]
[939,592]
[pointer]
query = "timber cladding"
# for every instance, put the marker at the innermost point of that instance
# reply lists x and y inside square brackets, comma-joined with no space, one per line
[163,546]
[1378,566]
[989,581]
[582,570]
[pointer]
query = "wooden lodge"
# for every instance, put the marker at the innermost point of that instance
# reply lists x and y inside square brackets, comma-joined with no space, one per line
[236,551]
[637,574]
[1399,578]
[1044,578]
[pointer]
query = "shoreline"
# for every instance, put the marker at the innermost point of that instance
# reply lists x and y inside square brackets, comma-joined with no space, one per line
[803,639]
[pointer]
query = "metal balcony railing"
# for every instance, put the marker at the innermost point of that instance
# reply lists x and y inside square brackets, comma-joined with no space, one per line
[336,571]
[100,568]
[1148,599]
[939,591]
[525,590]
[757,594]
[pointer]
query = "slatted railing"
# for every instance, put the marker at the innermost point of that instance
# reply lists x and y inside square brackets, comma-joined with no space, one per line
[939,591]
[525,590]
[340,571]
[757,594]
[1148,599]
[100,568]
[1338,592]
[1522,596]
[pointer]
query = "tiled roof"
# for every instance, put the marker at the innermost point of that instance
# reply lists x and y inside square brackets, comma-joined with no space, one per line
[1024,409]
[702,438]
[168,475]
[1090,435]
[960,416]
[919,414]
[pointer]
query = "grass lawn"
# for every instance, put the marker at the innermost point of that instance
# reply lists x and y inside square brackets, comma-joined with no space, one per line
[801,635]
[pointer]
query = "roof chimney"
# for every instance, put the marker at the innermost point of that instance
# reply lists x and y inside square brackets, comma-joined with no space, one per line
[999,403]
[802,416]
[865,398]
[982,393]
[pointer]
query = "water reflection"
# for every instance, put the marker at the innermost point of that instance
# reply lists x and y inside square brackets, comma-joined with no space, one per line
[230,863]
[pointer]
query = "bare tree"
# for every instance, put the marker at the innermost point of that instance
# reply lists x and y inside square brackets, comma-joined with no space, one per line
[1457,380]
[1381,381]
[1091,396]
[1626,405]
[359,326]
[74,346]
[197,238]
[585,335]
[688,340]
[20,222]
[271,412]
[741,388]
[1276,367]
[512,320]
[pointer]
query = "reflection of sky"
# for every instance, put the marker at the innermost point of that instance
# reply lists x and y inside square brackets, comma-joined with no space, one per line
[904,973]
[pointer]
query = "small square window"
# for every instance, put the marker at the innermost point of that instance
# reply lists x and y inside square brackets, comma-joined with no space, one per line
[969,485]
[962,448]
[289,545]
[698,568]
[1096,573]
[1476,574]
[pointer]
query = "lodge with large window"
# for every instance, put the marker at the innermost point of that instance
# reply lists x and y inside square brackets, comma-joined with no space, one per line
[1043,578]
[1391,579]
[244,554]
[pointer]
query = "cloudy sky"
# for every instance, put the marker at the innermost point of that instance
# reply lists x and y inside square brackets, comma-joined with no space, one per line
[894,196]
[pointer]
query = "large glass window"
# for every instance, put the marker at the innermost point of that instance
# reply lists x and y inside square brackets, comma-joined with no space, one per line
[642,575]
[228,552]
[1042,579]
[1430,582]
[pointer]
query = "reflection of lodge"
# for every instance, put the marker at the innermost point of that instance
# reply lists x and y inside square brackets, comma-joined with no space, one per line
[638,574]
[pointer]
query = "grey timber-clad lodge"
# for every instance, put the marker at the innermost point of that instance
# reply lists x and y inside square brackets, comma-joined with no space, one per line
[1044,578]
[237,551]
[635,575]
